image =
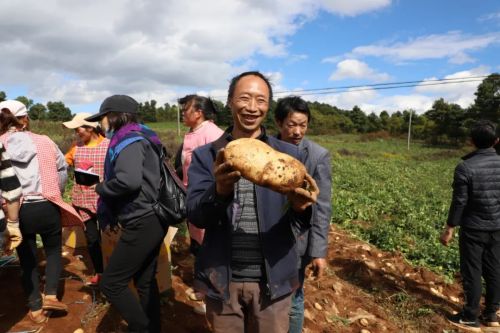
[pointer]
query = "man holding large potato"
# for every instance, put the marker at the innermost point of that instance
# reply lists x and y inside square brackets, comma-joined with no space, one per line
[247,266]
[292,115]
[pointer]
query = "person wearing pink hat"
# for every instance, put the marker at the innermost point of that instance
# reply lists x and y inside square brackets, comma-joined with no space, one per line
[88,153]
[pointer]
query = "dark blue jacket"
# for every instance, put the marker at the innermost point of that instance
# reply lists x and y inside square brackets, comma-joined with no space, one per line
[476,192]
[278,225]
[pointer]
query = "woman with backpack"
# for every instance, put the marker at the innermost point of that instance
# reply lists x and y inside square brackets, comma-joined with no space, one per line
[88,154]
[126,198]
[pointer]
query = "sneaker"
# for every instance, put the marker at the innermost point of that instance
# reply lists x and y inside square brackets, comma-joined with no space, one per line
[54,304]
[193,295]
[39,318]
[490,320]
[457,320]
[200,309]
[93,281]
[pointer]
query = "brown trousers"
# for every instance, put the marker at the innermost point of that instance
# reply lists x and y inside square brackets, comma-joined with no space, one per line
[249,311]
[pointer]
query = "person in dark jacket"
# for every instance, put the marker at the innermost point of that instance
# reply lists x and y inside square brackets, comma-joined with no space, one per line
[127,194]
[475,208]
[292,115]
[247,266]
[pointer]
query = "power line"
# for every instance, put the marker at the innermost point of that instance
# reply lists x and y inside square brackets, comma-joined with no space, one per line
[383,84]
[364,88]
[379,86]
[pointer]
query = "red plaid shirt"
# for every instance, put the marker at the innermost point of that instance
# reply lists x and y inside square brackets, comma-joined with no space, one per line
[83,197]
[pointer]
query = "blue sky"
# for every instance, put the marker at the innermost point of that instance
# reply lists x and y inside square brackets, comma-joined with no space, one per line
[82,52]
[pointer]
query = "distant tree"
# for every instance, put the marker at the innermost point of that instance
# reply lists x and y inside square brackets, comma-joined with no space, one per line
[359,119]
[37,111]
[3,96]
[225,117]
[25,100]
[487,102]
[57,111]
[449,120]
[162,112]
[148,111]
[374,123]
[395,125]
[384,120]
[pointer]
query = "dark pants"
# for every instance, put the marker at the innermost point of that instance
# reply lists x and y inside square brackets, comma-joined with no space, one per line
[93,236]
[43,218]
[480,256]
[297,308]
[135,257]
[249,311]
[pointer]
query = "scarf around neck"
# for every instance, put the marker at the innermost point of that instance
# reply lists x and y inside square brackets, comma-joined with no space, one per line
[126,135]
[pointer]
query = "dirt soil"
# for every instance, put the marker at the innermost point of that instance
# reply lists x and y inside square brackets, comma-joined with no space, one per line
[364,290]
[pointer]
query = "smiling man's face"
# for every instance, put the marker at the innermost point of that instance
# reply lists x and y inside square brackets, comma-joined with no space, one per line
[249,106]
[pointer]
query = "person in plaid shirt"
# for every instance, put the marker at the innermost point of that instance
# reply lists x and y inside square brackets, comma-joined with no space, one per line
[88,154]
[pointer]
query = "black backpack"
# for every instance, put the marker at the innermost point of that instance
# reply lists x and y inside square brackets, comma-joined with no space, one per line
[170,206]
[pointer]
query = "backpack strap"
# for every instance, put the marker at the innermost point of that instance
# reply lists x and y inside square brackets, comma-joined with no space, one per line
[164,163]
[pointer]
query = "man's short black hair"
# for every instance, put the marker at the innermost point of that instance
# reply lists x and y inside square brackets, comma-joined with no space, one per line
[234,81]
[291,104]
[484,134]
[205,104]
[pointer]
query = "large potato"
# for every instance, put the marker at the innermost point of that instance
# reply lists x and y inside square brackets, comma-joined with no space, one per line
[262,165]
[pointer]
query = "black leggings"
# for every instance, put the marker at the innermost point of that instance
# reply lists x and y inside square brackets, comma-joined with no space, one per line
[93,236]
[43,218]
[135,257]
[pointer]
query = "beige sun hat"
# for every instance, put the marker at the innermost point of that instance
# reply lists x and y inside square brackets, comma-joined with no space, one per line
[79,121]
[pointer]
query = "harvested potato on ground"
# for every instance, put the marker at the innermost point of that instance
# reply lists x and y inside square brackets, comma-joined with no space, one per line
[264,166]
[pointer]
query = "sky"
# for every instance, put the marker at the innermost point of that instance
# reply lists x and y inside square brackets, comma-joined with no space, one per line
[81,52]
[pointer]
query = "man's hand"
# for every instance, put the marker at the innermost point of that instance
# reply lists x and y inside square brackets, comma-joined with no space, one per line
[13,236]
[302,198]
[447,235]
[318,267]
[225,176]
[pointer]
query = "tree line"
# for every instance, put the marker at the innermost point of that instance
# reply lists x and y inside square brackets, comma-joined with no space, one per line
[443,123]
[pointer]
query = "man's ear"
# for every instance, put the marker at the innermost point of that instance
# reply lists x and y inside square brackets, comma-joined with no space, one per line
[496,141]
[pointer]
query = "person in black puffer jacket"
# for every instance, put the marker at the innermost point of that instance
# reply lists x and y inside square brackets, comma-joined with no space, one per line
[475,207]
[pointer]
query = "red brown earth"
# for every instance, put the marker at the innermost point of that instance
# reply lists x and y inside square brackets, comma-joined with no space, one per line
[364,290]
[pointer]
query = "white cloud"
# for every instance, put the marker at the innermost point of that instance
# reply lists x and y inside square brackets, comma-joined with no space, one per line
[461,93]
[296,58]
[355,69]
[370,101]
[490,17]
[454,46]
[81,51]
[352,8]
[419,98]
[347,100]
[419,103]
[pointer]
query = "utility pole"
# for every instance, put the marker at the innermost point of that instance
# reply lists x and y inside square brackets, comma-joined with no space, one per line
[409,129]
